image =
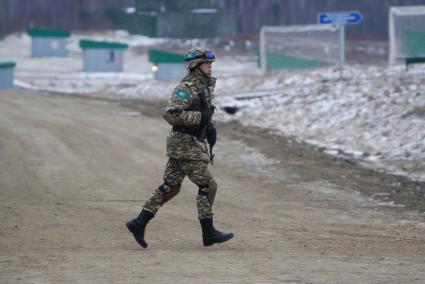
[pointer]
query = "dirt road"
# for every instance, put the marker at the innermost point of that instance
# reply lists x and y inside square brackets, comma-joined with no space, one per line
[74,170]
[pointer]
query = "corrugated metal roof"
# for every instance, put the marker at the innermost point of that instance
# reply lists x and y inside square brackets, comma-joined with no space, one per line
[86,43]
[7,65]
[161,56]
[48,33]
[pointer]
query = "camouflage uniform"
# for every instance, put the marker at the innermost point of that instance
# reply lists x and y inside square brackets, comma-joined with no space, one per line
[187,156]
[187,150]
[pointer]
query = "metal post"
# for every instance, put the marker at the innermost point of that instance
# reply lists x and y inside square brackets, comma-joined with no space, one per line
[341,48]
[263,54]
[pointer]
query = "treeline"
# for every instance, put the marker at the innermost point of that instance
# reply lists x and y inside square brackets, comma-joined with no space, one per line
[18,15]
[252,14]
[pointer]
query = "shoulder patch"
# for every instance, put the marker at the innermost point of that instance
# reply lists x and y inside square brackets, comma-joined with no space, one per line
[182,94]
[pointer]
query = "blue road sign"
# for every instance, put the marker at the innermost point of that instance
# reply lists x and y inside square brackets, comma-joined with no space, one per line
[343,18]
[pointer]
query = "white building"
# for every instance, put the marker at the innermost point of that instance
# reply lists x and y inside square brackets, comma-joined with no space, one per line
[167,65]
[102,56]
[6,74]
[48,43]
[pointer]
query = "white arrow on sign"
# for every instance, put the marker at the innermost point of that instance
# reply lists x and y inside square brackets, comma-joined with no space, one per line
[342,18]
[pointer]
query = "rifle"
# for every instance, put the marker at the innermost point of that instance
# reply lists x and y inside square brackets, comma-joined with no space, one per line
[207,129]
[204,107]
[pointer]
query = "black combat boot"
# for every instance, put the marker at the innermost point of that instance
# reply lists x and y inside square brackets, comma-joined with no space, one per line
[210,235]
[137,227]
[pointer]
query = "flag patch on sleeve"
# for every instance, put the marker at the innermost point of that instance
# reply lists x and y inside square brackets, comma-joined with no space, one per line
[182,94]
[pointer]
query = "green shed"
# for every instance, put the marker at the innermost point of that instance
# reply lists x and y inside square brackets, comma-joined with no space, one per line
[103,56]
[48,43]
[167,65]
[6,74]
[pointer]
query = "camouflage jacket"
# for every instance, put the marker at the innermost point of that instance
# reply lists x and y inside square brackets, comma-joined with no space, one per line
[186,106]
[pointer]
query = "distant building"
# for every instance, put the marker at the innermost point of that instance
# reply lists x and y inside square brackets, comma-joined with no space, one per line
[102,56]
[6,74]
[167,65]
[48,43]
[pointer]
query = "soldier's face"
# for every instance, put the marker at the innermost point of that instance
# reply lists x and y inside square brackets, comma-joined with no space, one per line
[206,67]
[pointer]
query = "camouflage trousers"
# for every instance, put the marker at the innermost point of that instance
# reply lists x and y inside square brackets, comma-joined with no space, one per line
[175,171]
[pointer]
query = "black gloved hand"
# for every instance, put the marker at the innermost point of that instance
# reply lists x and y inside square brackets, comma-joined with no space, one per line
[205,118]
[175,112]
[211,134]
[206,115]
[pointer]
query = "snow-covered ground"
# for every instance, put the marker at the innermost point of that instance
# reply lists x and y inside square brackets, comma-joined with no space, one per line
[374,114]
